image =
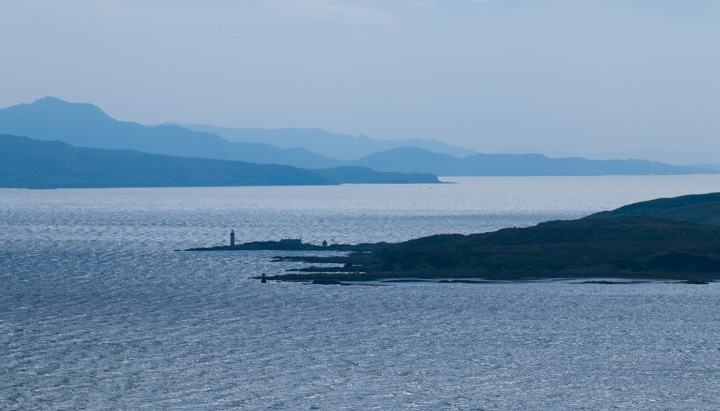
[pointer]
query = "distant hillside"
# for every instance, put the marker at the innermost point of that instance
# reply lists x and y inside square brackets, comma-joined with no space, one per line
[27,163]
[341,146]
[715,167]
[364,175]
[85,125]
[701,208]
[413,158]
[422,161]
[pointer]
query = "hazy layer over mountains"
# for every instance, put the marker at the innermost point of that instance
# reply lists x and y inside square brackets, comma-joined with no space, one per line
[340,146]
[418,160]
[85,125]
[28,163]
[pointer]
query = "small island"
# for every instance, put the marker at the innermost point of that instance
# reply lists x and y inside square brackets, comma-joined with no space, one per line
[665,239]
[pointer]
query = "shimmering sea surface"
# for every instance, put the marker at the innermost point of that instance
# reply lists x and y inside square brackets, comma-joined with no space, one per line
[97,310]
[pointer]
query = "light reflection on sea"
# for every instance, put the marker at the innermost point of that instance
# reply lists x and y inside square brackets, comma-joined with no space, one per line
[98,311]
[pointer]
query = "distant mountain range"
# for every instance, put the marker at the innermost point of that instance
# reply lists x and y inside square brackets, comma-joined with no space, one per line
[85,125]
[28,163]
[341,146]
[422,161]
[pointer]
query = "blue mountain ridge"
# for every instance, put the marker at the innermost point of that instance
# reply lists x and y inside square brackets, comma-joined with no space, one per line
[28,163]
[341,146]
[85,125]
[423,161]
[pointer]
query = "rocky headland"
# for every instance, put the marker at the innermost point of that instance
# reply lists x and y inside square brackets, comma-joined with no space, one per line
[665,239]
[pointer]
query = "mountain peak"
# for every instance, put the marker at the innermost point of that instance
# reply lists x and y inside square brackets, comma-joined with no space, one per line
[57,106]
[48,100]
[86,125]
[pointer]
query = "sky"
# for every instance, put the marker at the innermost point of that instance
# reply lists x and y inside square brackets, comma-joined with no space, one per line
[593,78]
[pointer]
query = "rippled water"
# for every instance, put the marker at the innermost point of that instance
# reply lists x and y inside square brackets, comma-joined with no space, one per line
[98,311]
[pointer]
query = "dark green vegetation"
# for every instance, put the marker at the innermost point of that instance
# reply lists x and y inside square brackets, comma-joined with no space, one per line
[633,247]
[27,163]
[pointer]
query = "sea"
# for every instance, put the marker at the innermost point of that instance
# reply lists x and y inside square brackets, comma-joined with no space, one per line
[99,309]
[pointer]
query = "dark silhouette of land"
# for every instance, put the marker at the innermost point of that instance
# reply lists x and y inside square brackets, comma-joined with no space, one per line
[292,246]
[27,163]
[701,208]
[599,246]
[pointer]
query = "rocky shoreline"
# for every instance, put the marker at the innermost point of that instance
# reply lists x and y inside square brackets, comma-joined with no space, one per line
[675,239]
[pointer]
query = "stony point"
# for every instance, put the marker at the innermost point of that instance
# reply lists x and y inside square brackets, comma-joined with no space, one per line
[291,244]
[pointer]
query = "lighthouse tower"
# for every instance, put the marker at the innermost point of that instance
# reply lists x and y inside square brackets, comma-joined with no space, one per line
[232,238]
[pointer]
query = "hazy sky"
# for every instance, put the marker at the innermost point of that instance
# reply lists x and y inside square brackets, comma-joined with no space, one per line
[604,78]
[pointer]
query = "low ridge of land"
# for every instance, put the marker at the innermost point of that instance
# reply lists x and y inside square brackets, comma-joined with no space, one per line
[608,245]
[701,208]
[418,160]
[27,163]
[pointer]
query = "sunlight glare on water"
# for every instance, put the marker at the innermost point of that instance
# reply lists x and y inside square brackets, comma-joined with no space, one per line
[97,310]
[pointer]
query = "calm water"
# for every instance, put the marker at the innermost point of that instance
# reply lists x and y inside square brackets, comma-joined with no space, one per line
[98,311]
